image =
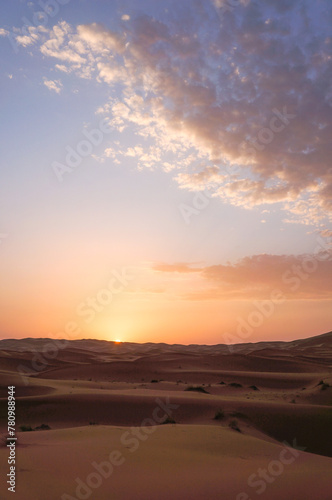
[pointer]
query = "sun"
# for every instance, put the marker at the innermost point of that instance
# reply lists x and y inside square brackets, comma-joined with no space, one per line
[117,341]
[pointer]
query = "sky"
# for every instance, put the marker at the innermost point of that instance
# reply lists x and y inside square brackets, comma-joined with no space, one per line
[166,170]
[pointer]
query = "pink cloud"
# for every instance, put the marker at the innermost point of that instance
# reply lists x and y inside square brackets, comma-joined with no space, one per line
[307,276]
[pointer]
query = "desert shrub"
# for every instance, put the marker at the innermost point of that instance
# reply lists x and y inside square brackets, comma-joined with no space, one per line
[26,428]
[235,384]
[324,385]
[169,420]
[219,415]
[43,427]
[222,383]
[154,381]
[233,425]
[254,388]
[197,388]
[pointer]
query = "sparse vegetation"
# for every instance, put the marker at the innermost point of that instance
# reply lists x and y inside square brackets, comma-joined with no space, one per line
[254,388]
[222,383]
[197,388]
[93,423]
[43,427]
[235,384]
[26,428]
[154,381]
[169,420]
[219,415]
[234,425]
[324,385]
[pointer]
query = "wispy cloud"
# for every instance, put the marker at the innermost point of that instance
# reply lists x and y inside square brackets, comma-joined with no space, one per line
[298,276]
[175,268]
[54,85]
[31,36]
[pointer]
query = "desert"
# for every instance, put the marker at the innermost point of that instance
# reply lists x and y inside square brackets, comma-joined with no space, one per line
[166,250]
[106,420]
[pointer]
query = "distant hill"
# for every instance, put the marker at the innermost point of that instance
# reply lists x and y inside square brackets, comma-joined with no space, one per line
[312,346]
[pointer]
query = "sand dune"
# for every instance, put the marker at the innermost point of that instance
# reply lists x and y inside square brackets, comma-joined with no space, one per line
[90,393]
[177,462]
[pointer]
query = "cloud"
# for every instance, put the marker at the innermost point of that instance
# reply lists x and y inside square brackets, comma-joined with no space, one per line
[30,37]
[3,32]
[245,92]
[298,277]
[326,233]
[198,181]
[54,85]
[63,68]
[110,73]
[57,45]
[99,38]
[175,268]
